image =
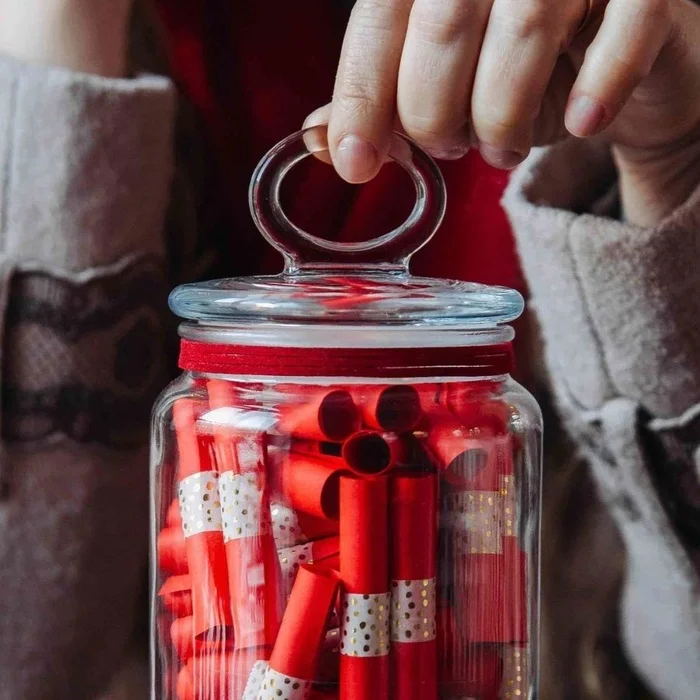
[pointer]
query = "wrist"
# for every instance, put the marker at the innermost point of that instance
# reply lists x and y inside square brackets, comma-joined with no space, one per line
[82,35]
[653,184]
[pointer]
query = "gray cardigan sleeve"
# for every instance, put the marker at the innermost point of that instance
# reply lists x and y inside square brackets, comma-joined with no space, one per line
[618,307]
[85,166]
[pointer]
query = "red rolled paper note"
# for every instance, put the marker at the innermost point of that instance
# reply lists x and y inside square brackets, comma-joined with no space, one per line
[490,569]
[176,594]
[413,535]
[326,415]
[367,453]
[254,570]
[366,600]
[319,552]
[462,454]
[200,511]
[395,409]
[172,551]
[302,634]
[309,483]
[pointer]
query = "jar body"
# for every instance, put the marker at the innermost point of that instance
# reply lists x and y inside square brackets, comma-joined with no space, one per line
[359,539]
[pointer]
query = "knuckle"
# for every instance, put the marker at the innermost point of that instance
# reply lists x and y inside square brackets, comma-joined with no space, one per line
[525,18]
[372,15]
[441,23]
[433,134]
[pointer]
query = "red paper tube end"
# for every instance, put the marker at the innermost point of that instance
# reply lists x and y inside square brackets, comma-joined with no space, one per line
[364,547]
[367,453]
[414,671]
[303,627]
[176,594]
[310,483]
[172,551]
[331,416]
[394,409]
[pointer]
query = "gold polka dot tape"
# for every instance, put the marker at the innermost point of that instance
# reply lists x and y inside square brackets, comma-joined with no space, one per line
[242,506]
[255,680]
[277,686]
[514,683]
[413,611]
[364,627]
[290,561]
[475,521]
[285,527]
[200,506]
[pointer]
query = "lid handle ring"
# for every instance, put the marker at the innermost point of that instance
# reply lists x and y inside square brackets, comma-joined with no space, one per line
[301,249]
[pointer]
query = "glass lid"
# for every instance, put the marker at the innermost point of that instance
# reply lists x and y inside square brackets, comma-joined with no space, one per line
[330,284]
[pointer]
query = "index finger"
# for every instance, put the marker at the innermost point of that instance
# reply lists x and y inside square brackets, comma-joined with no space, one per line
[364,99]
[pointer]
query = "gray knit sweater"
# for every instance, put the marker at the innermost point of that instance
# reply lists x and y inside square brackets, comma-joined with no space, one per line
[85,168]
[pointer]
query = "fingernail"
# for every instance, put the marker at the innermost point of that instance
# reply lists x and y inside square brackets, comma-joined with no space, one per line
[506,160]
[584,116]
[356,160]
[451,153]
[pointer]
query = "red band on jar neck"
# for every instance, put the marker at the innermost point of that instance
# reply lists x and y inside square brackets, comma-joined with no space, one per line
[388,363]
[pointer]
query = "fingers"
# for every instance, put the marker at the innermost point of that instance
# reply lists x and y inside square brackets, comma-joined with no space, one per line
[623,52]
[364,100]
[520,51]
[437,70]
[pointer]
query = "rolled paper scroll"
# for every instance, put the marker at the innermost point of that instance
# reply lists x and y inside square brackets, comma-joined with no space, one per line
[394,409]
[364,572]
[461,454]
[309,483]
[254,571]
[320,415]
[172,551]
[294,658]
[323,552]
[253,568]
[367,453]
[413,535]
[176,594]
[200,511]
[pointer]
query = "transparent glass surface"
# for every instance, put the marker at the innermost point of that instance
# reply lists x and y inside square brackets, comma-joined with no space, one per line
[364,540]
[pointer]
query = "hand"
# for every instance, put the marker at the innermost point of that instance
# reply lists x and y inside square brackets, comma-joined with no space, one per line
[81,35]
[504,75]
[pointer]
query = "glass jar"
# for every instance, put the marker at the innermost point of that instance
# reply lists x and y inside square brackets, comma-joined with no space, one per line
[345,478]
